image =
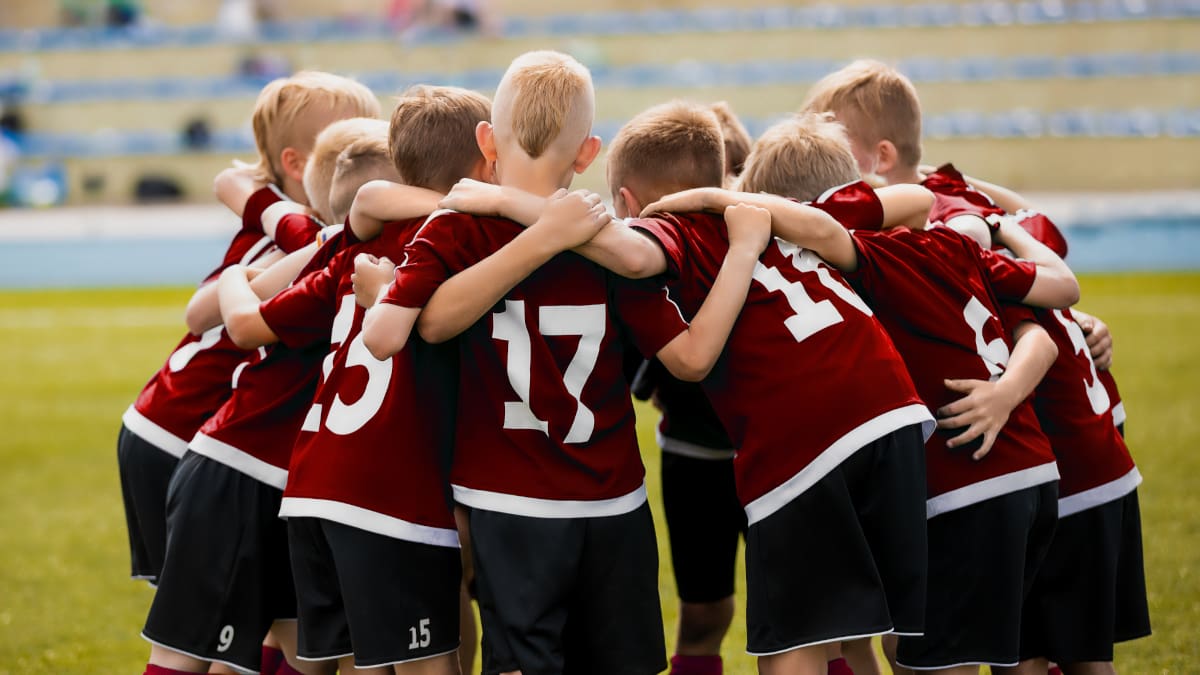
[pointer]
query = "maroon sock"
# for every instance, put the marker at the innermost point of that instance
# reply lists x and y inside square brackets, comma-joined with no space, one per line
[839,666]
[286,668]
[1054,670]
[696,665]
[152,669]
[271,658]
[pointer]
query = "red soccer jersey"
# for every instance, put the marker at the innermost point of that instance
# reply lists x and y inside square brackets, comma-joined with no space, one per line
[791,387]
[255,429]
[370,452]
[1075,413]
[196,379]
[545,420]
[939,296]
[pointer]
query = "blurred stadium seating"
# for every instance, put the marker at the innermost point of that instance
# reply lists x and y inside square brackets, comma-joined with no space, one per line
[1042,94]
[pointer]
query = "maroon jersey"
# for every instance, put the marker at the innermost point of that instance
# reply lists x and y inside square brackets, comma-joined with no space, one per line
[255,429]
[939,295]
[1075,413]
[368,454]
[808,375]
[196,379]
[546,423]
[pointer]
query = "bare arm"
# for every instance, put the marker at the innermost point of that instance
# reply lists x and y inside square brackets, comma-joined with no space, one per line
[386,328]
[692,354]
[462,299]
[239,308]
[234,185]
[798,223]
[380,201]
[1055,285]
[616,247]
[986,405]
[268,275]
[905,205]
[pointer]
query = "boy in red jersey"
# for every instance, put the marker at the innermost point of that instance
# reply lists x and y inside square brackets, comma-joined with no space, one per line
[938,294]
[564,549]
[196,378]
[302,104]
[783,476]
[882,114]
[373,544]
[1080,604]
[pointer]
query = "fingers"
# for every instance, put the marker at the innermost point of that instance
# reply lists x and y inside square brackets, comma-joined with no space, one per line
[989,439]
[974,431]
[954,422]
[962,386]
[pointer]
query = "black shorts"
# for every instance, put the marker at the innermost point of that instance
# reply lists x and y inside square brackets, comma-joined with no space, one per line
[145,473]
[846,558]
[568,595]
[226,576]
[704,520]
[382,599]
[982,562]
[1091,590]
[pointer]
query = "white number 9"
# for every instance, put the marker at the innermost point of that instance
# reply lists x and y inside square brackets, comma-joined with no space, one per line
[225,639]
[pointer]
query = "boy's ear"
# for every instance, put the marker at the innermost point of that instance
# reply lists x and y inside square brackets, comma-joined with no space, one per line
[887,157]
[486,139]
[293,164]
[631,202]
[587,153]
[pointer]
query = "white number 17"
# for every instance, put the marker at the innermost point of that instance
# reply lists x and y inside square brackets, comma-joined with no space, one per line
[586,321]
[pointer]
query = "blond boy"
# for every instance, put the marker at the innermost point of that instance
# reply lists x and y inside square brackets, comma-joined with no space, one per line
[565,557]
[322,163]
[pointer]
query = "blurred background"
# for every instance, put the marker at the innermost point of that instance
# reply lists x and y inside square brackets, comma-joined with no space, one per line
[1091,105]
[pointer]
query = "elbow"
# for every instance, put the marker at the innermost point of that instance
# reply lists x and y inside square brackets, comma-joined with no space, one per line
[689,367]
[1073,291]
[240,327]
[196,324]
[375,346]
[432,333]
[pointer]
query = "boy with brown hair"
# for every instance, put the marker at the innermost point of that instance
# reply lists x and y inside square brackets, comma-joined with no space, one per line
[548,465]
[939,296]
[373,544]
[881,109]
[737,140]
[202,370]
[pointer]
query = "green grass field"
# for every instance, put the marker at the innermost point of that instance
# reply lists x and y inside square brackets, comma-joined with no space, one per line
[77,359]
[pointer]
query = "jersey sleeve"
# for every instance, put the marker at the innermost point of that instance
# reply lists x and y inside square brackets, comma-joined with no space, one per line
[295,231]
[646,309]
[1011,279]
[425,265]
[854,205]
[669,236]
[1044,230]
[256,204]
[302,314]
[876,255]
[1013,313]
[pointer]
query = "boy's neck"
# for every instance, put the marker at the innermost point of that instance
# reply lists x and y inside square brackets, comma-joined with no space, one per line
[902,174]
[294,190]
[535,176]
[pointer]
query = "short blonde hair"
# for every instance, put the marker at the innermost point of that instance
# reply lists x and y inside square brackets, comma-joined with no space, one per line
[291,111]
[876,103]
[363,160]
[669,147]
[546,95]
[800,157]
[737,139]
[432,135]
[322,161]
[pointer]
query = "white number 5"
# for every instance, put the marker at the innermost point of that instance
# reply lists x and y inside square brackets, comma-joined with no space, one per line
[586,321]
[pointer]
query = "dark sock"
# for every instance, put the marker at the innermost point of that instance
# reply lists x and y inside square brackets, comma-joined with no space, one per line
[271,658]
[696,665]
[839,666]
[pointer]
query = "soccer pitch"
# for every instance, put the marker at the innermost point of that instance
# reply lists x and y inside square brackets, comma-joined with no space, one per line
[78,358]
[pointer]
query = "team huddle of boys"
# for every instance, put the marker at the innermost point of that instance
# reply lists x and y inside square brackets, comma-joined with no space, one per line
[882,389]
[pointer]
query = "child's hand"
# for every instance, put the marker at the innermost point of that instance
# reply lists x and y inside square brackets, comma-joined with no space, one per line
[749,227]
[689,201]
[983,411]
[1099,339]
[571,219]
[370,275]
[474,197]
